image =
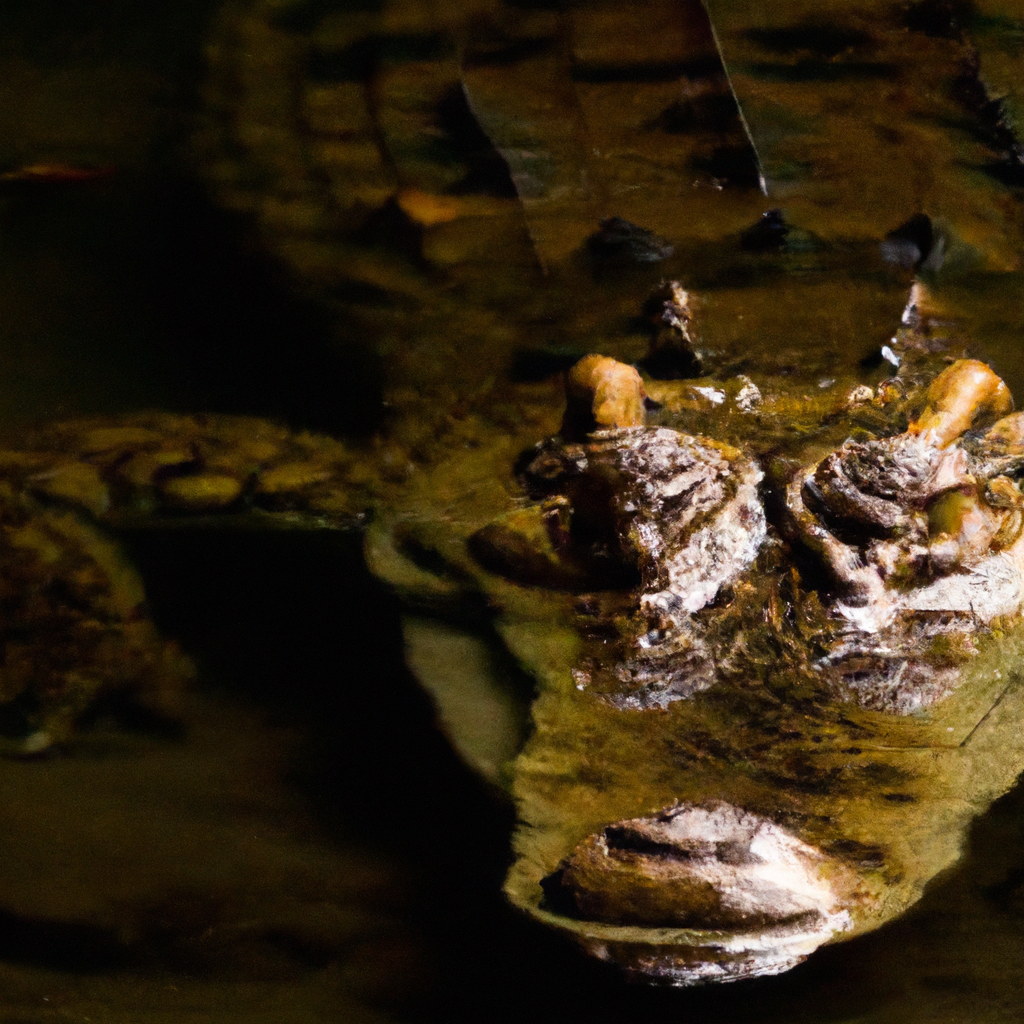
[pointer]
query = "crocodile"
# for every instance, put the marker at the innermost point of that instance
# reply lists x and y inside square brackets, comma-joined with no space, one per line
[692,475]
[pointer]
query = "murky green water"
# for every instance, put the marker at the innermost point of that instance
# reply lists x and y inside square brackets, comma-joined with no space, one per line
[304,846]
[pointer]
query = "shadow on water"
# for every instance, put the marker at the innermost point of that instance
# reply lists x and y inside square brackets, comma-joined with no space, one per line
[295,624]
[221,330]
[242,341]
[132,290]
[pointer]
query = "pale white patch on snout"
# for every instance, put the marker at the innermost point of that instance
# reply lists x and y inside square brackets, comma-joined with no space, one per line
[768,897]
[759,871]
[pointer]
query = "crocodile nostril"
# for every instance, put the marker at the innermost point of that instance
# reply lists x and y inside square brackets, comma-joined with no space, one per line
[703,866]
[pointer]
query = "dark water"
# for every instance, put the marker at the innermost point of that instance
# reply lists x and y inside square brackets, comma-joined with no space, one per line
[301,845]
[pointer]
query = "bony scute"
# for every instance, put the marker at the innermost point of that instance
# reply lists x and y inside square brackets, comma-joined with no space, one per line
[75,626]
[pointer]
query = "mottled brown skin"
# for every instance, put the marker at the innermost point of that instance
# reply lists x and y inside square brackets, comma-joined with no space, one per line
[589,532]
[905,511]
[73,624]
[782,690]
[714,687]
[677,514]
[709,873]
[890,521]
[73,617]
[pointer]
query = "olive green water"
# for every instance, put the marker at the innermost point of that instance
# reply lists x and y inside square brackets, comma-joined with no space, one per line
[300,844]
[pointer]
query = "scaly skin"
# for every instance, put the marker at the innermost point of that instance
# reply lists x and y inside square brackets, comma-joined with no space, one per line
[684,716]
[729,767]
[696,737]
[74,622]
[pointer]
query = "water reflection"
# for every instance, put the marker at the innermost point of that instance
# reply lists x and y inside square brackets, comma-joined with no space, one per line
[310,848]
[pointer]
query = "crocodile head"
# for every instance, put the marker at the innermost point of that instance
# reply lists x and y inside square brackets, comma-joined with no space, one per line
[768,682]
[766,622]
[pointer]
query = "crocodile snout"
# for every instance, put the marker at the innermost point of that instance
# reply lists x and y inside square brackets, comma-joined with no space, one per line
[710,867]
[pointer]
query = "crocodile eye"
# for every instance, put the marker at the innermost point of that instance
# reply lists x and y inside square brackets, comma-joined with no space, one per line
[960,396]
[602,393]
[919,536]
